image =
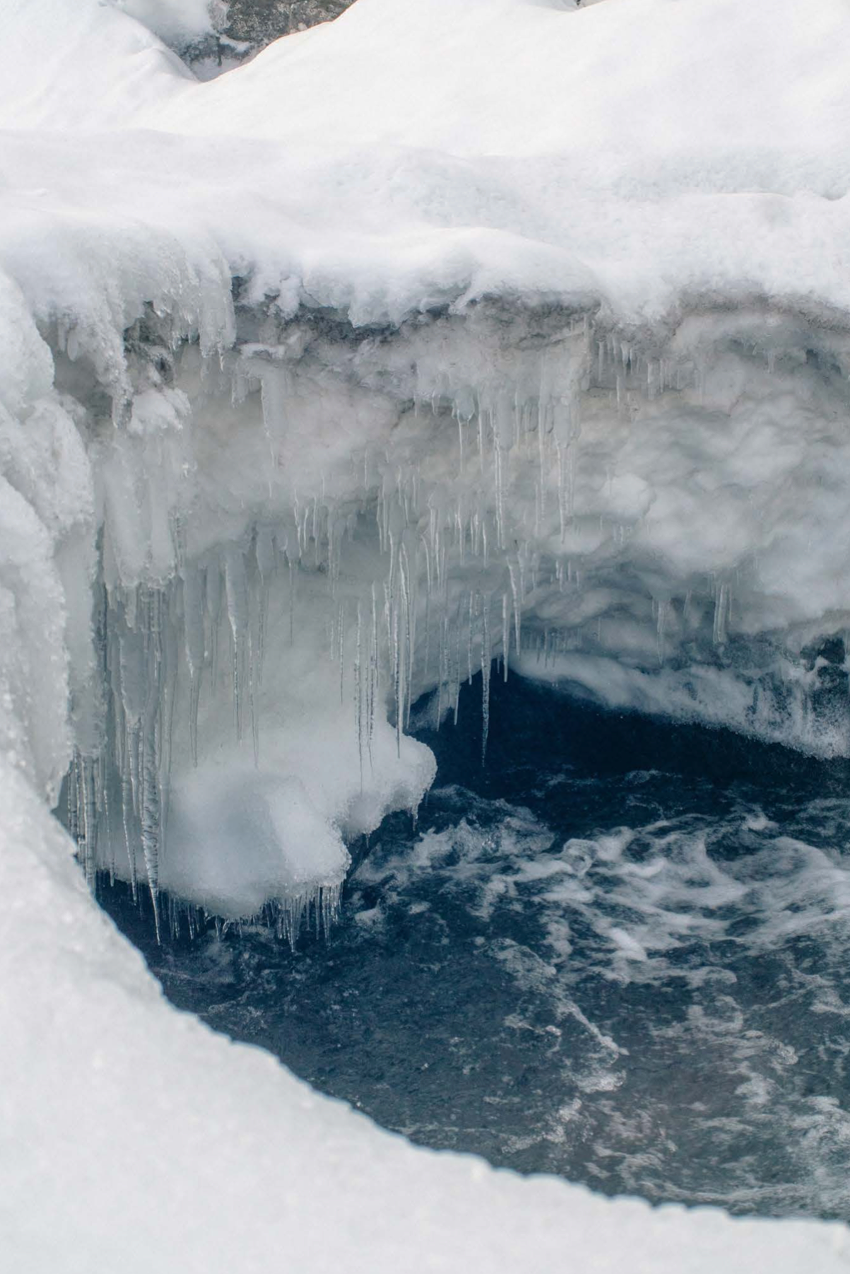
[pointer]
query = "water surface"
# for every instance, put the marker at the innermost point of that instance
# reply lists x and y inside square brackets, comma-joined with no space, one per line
[619,952]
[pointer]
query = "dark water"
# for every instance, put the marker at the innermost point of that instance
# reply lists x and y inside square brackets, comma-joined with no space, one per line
[618,953]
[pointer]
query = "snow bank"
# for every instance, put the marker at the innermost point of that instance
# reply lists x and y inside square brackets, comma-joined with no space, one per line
[536,141]
[434,335]
[138,1138]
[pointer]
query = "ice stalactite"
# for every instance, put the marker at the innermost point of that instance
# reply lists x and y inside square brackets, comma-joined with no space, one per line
[161,659]
[486,663]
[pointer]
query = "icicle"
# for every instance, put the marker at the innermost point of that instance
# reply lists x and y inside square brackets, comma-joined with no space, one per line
[358,689]
[341,641]
[168,655]
[562,488]
[291,566]
[213,610]
[662,609]
[500,514]
[103,807]
[506,630]
[427,664]
[373,673]
[540,511]
[721,611]
[236,590]
[150,801]
[150,816]
[88,811]
[406,580]
[266,563]
[126,809]
[469,639]
[516,596]
[397,674]
[194,644]
[254,696]
[486,660]
[456,667]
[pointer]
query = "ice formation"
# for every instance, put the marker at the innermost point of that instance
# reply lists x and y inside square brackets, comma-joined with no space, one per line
[354,425]
[432,342]
[319,524]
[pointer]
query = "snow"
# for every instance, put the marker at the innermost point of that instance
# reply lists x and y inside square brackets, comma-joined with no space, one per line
[616,131]
[140,1138]
[176,22]
[433,334]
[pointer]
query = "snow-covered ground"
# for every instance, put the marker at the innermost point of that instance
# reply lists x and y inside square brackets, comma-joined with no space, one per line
[437,333]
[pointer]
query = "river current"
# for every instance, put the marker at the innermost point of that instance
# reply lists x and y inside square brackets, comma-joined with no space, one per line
[619,952]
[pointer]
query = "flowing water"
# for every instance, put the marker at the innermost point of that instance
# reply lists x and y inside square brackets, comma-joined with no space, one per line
[619,952]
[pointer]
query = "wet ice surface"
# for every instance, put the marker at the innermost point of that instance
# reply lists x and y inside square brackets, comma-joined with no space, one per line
[619,953]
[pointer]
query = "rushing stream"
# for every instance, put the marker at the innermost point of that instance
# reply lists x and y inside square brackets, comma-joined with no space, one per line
[619,952]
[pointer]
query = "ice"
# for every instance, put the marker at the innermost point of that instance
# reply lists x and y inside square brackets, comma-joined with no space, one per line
[228,828]
[428,338]
[203,815]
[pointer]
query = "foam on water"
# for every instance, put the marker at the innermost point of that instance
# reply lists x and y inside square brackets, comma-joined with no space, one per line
[635,977]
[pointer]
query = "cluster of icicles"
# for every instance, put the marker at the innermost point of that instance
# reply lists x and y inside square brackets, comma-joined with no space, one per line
[453,572]
[206,632]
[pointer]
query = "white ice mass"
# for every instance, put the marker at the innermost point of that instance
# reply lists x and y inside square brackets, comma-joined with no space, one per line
[499,336]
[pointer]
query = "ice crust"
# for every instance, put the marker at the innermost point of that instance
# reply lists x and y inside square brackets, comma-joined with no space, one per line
[435,336]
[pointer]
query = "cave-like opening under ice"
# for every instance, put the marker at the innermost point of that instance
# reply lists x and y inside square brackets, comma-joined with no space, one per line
[534,499]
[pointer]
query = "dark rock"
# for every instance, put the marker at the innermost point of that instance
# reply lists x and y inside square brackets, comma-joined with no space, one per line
[258,22]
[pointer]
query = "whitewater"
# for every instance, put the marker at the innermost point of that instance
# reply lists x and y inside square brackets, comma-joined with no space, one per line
[429,345]
[616,953]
